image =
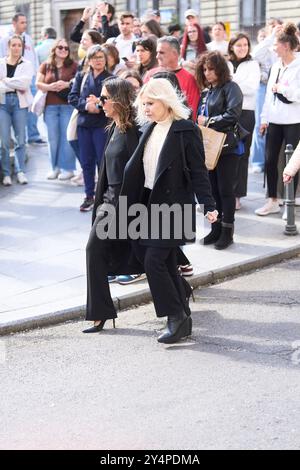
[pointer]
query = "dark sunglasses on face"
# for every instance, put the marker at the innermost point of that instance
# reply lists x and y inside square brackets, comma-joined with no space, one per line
[104,98]
[66,48]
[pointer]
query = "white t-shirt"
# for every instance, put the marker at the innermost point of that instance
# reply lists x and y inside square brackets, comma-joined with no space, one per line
[220,46]
[124,46]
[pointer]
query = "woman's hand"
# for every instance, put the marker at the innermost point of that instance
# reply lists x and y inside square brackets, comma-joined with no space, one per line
[212,216]
[201,120]
[286,178]
[275,88]
[61,85]
[92,99]
[91,108]
[263,128]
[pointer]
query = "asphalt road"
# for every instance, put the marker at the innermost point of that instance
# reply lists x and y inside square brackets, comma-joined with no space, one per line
[234,385]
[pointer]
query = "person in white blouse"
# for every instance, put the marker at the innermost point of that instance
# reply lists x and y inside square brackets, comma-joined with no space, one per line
[246,73]
[280,117]
[15,98]
[219,42]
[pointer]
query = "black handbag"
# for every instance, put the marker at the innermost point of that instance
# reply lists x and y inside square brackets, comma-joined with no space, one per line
[64,93]
[234,136]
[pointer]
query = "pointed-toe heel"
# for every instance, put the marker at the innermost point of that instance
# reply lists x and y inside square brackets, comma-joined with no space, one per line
[97,328]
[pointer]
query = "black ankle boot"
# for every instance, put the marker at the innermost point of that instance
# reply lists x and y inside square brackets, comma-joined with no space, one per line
[214,234]
[177,327]
[226,237]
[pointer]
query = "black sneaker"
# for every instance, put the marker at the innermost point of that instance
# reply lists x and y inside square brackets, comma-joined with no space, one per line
[87,204]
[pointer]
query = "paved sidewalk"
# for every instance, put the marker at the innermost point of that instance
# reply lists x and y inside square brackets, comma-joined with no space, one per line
[42,249]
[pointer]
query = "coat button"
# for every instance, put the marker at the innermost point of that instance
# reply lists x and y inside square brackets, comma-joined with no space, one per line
[168,191]
[170,167]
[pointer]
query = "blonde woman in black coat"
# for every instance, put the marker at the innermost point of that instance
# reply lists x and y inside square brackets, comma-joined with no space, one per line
[167,170]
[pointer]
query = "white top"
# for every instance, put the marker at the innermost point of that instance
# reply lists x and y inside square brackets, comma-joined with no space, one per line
[20,82]
[152,150]
[124,46]
[220,46]
[275,111]
[247,76]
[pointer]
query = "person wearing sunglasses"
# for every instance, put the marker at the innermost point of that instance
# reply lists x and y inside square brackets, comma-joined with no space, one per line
[55,77]
[105,258]
[92,122]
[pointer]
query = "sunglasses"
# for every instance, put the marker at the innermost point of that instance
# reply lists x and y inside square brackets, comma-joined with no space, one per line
[66,48]
[104,98]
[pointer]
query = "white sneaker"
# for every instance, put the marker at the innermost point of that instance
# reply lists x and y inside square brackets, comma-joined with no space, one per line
[271,207]
[77,180]
[53,174]
[21,178]
[7,181]
[65,175]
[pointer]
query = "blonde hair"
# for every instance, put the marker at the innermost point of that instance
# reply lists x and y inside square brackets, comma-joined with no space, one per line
[162,90]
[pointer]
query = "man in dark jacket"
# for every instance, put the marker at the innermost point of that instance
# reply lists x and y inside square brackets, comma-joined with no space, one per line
[103,17]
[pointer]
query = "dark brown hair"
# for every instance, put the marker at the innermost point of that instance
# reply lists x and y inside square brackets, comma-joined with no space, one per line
[111,50]
[95,36]
[149,45]
[123,95]
[288,35]
[232,42]
[216,61]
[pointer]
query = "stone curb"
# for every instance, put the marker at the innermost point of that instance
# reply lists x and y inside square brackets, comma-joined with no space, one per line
[144,296]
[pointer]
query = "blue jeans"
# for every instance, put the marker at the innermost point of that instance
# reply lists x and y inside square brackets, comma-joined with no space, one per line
[91,144]
[257,152]
[57,117]
[32,131]
[11,115]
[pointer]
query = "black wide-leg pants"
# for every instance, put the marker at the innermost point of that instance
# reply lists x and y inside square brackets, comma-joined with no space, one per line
[99,302]
[165,283]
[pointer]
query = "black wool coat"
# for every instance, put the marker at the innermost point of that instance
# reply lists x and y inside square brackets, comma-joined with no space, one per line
[181,175]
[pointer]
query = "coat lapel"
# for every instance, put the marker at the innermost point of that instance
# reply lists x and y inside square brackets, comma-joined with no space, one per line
[167,153]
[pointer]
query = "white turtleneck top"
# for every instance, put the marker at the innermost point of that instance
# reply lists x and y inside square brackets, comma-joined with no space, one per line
[152,150]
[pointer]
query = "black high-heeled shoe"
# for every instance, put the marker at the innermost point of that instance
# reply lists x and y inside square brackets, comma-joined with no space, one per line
[97,328]
[188,290]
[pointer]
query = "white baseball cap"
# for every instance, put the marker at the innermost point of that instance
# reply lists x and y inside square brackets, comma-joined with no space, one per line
[190,12]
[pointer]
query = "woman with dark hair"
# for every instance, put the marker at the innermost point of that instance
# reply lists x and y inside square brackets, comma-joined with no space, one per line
[134,78]
[151,28]
[280,118]
[115,65]
[146,55]
[91,121]
[193,45]
[221,106]
[246,73]
[55,77]
[108,257]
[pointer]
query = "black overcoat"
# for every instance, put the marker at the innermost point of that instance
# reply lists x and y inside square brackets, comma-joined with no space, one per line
[180,175]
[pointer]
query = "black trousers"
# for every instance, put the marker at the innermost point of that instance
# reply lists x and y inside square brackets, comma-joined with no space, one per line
[276,134]
[165,283]
[222,180]
[99,302]
[247,120]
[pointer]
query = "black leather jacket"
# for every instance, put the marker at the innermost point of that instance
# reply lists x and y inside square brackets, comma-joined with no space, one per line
[224,105]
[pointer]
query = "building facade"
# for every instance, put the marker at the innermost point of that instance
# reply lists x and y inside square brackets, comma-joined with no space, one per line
[247,15]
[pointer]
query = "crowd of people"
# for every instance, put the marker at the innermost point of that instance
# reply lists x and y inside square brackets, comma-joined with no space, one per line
[252,94]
